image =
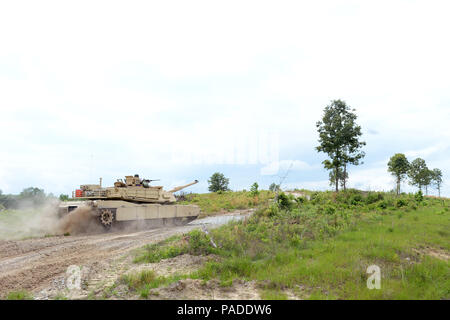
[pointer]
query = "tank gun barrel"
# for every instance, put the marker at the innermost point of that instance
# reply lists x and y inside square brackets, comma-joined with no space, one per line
[182,187]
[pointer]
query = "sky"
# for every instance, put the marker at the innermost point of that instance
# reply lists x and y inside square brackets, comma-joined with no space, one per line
[177,90]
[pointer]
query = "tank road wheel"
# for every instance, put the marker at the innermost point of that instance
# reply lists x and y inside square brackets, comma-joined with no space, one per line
[106,217]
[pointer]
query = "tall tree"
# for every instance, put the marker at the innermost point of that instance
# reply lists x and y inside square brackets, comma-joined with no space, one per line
[427,179]
[437,180]
[218,182]
[339,138]
[398,166]
[418,173]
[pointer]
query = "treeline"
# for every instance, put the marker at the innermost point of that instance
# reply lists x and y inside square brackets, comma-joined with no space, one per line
[417,172]
[29,197]
[339,138]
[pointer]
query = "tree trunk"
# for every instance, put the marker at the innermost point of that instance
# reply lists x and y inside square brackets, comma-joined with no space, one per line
[345,176]
[398,185]
[337,178]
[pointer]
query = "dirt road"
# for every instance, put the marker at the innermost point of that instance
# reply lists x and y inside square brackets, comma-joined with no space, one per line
[33,264]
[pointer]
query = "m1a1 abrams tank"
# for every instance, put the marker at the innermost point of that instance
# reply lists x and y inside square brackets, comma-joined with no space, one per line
[132,199]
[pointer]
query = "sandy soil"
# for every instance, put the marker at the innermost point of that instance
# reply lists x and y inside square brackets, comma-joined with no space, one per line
[35,264]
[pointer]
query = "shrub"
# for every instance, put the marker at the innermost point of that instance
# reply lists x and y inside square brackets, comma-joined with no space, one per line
[383,204]
[419,196]
[284,202]
[329,209]
[199,243]
[373,197]
[356,199]
[401,203]
[254,189]
[300,200]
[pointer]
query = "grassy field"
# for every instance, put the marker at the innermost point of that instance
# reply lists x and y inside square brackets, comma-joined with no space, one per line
[321,248]
[211,203]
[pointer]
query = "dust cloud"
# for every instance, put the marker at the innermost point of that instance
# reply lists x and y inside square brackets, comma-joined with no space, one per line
[27,221]
[43,220]
[82,220]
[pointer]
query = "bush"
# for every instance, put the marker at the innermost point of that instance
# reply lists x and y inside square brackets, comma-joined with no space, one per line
[329,209]
[254,189]
[383,204]
[419,196]
[284,202]
[199,243]
[300,200]
[401,203]
[356,199]
[373,197]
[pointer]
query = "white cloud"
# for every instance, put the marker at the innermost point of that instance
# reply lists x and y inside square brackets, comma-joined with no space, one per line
[284,167]
[132,85]
[428,151]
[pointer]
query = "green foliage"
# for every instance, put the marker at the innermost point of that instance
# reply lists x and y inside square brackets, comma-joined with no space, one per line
[146,280]
[284,202]
[294,248]
[195,242]
[35,195]
[373,197]
[398,166]
[284,248]
[19,295]
[254,189]
[137,280]
[437,179]
[274,187]
[418,173]
[419,196]
[218,182]
[300,200]
[227,201]
[63,197]
[401,203]
[29,198]
[339,138]
[199,243]
[339,174]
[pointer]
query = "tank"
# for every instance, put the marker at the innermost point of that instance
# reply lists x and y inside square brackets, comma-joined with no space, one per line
[132,199]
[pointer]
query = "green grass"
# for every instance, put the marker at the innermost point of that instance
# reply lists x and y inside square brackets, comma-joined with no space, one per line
[215,202]
[144,281]
[195,243]
[19,295]
[326,245]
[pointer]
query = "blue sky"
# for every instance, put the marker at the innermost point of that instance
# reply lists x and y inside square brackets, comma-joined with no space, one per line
[177,90]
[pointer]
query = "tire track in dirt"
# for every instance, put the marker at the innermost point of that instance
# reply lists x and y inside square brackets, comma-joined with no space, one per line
[31,264]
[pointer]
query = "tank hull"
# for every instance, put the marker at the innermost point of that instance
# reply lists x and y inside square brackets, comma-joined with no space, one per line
[115,212]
